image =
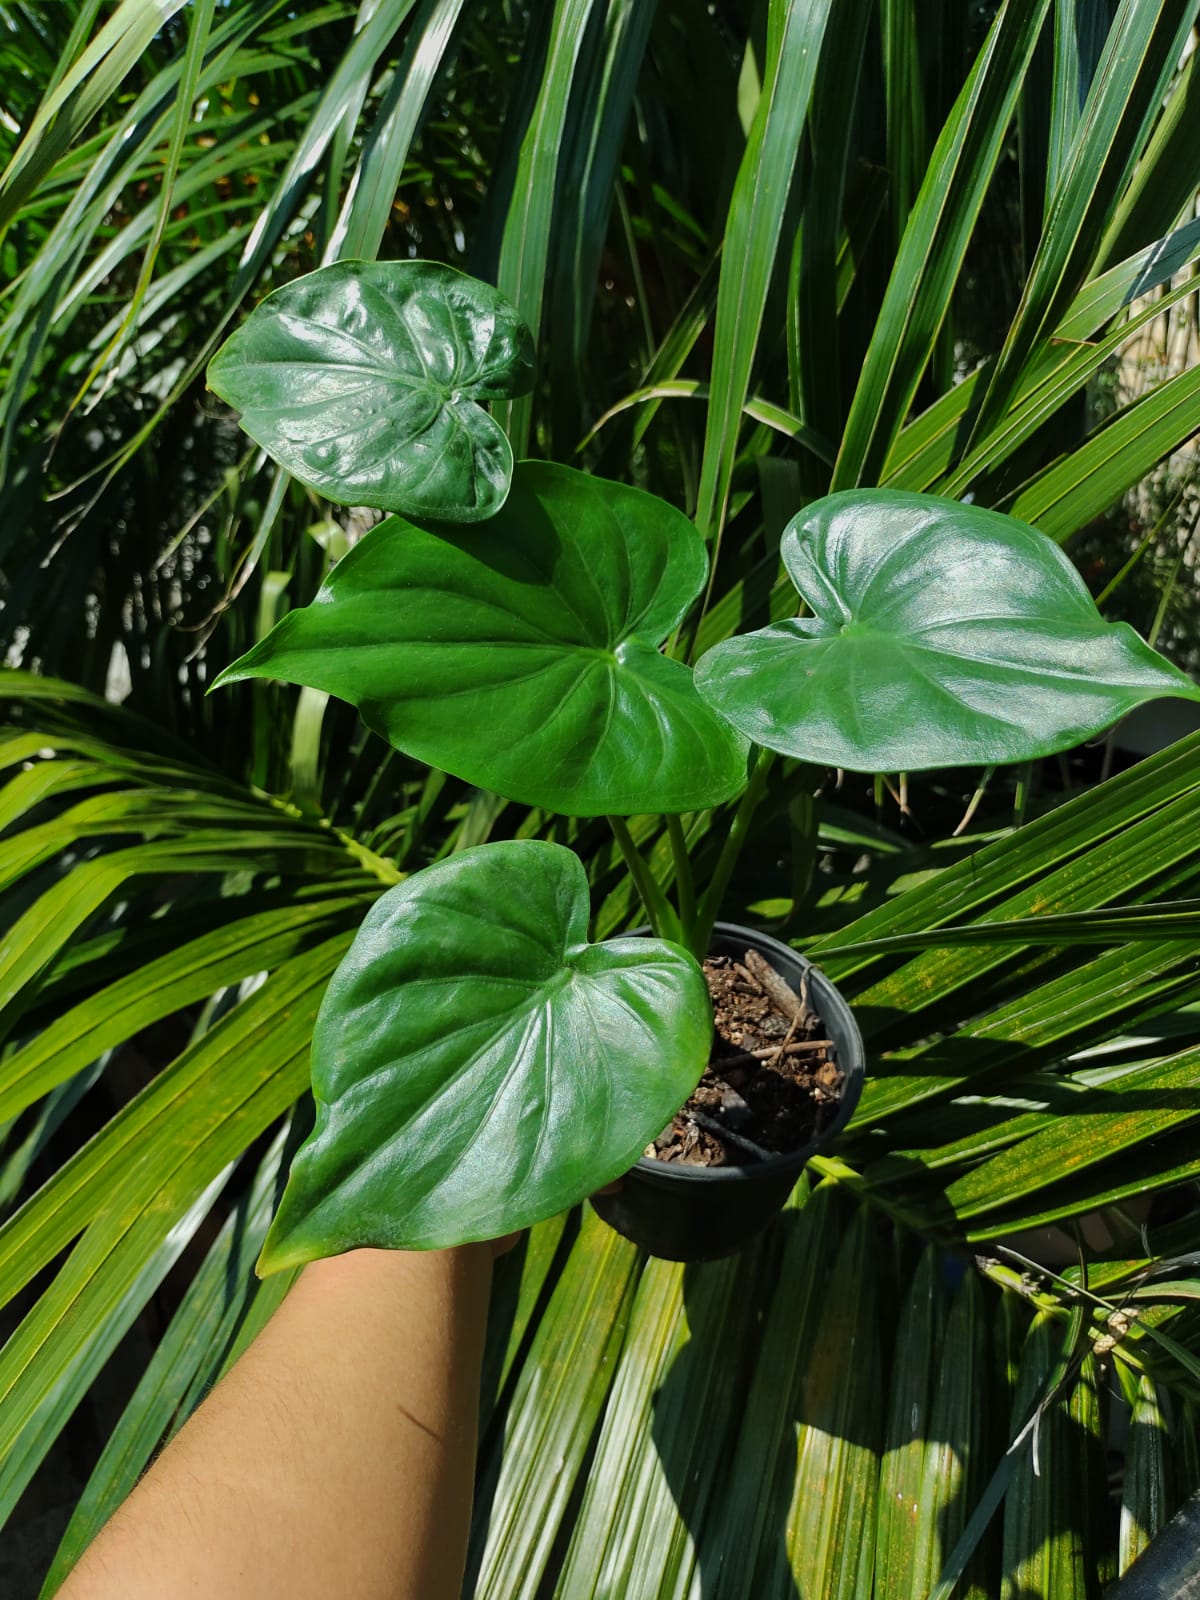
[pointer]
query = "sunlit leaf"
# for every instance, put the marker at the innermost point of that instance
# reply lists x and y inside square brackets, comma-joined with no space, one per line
[364,379]
[524,656]
[941,635]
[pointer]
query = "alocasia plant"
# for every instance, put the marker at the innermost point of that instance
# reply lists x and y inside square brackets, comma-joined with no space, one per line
[366,383]
[478,1064]
[523,655]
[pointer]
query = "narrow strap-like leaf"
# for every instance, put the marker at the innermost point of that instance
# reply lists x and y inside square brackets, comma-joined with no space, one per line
[935,242]
[1161,187]
[1070,493]
[525,249]
[371,195]
[743,1528]
[252,1063]
[671,1409]
[908,1435]
[1142,51]
[795,32]
[838,1434]
[1144,1495]
[192,1347]
[557,1402]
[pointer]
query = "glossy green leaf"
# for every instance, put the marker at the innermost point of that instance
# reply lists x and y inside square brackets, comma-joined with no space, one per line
[478,1065]
[942,635]
[364,379]
[524,656]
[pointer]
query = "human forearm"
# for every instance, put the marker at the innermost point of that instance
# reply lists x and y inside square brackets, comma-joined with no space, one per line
[337,1456]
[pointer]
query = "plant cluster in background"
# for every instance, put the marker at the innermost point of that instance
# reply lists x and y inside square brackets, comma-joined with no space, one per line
[768,251]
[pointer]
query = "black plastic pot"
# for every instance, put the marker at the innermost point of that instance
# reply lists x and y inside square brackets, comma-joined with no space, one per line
[701,1213]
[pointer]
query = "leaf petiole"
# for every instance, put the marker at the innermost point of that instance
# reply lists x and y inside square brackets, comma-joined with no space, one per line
[661,914]
[685,886]
[710,901]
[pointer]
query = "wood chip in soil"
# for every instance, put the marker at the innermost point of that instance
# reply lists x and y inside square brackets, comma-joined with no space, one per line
[772,1082]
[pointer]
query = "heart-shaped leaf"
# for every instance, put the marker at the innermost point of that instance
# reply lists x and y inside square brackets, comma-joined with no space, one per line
[477,1065]
[524,656]
[364,378]
[942,635]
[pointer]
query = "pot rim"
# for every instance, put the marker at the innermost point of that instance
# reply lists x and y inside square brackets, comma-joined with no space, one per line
[668,1172]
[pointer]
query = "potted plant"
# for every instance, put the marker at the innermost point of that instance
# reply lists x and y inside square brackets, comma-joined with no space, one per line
[478,1065]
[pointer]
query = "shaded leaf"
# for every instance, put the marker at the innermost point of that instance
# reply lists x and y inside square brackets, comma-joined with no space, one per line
[478,1066]
[559,1397]
[192,1345]
[1144,1488]
[901,1528]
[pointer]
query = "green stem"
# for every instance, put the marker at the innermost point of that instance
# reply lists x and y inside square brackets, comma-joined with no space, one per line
[378,866]
[685,887]
[386,871]
[863,1189]
[805,835]
[840,1172]
[659,911]
[710,900]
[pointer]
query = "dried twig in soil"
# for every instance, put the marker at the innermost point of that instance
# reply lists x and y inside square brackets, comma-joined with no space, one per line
[776,987]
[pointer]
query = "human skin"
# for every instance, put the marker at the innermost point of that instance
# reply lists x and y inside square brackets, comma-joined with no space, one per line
[335,1458]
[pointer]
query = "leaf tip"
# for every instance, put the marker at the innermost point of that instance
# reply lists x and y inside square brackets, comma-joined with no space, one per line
[278,1255]
[228,675]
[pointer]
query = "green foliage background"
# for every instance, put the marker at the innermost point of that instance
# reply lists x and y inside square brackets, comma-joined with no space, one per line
[769,249]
